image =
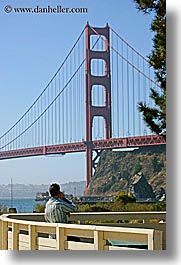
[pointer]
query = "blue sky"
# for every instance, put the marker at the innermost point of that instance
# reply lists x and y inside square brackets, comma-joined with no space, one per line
[32,47]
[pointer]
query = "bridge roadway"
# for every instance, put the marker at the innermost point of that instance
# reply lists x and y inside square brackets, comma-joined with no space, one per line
[111,143]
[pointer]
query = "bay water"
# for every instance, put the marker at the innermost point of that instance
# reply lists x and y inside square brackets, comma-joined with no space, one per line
[22,205]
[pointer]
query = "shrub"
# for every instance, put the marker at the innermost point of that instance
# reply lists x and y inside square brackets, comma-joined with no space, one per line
[124,198]
[40,208]
[158,206]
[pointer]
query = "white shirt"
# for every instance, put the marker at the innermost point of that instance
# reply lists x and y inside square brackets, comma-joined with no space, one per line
[56,210]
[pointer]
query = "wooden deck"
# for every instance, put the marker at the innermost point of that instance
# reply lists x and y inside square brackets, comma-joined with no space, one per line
[31,232]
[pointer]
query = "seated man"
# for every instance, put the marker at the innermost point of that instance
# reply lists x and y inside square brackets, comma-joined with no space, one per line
[58,207]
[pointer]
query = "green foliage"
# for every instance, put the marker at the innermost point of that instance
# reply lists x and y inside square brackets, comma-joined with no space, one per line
[124,198]
[158,206]
[121,207]
[157,164]
[155,117]
[40,208]
[3,209]
[116,206]
[98,207]
[138,168]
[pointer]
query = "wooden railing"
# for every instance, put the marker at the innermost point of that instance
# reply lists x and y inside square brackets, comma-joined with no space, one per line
[31,232]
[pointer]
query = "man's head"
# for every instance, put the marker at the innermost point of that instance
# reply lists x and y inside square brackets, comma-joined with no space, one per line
[54,189]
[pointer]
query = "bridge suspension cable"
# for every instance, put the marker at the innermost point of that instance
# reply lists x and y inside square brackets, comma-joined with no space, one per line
[46,121]
[57,116]
[132,78]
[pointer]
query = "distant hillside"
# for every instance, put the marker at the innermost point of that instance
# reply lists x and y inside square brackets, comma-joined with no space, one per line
[75,188]
[29,191]
[115,170]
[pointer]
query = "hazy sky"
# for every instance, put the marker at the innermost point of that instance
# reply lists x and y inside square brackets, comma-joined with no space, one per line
[32,47]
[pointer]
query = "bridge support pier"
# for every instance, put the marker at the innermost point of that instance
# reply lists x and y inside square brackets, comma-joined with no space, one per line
[88,166]
[97,80]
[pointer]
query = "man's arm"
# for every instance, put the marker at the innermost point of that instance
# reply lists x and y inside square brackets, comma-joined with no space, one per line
[68,206]
[62,196]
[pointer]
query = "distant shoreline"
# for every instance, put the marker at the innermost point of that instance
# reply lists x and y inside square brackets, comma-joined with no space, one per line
[16,198]
[22,191]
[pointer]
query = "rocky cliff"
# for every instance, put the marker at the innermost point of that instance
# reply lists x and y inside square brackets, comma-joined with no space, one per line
[116,171]
[141,189]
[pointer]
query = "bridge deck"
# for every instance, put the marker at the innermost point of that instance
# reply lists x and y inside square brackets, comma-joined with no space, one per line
[112,143]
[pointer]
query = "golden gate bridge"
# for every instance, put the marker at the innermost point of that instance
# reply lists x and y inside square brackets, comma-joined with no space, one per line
[90,104]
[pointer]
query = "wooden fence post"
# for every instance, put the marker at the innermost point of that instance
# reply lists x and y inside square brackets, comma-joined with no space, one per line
[99,241]
[60,237]
[32,237]
[15,236]
[150,241]
[1,236]
[4,235]
[158,240]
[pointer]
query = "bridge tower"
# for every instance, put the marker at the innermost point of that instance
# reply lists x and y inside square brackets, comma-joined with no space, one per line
[93,80]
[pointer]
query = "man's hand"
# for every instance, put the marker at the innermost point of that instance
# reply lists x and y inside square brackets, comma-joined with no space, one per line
[62,196]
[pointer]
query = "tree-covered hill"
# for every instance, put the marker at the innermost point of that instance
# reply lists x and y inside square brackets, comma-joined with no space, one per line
[115,170]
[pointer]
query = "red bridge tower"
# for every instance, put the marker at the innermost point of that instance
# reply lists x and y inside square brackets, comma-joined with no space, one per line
[93,80]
